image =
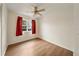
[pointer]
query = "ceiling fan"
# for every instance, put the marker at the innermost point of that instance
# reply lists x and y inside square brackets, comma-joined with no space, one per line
[37,11]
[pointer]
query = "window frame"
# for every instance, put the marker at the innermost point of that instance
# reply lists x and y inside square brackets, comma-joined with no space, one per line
[28,23]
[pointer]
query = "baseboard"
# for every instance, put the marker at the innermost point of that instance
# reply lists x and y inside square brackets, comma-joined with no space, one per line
[3,53]
[14,44]
[76,54]
[56,44]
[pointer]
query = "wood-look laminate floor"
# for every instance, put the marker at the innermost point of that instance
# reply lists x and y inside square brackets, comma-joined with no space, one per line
[36,47]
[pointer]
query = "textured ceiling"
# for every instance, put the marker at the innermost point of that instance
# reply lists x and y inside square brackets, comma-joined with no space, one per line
[22,7]
[27,8]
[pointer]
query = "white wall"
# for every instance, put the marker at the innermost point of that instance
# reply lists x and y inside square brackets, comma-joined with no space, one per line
[0,29]
[57,25]
[4,29]
[12,38]
[76,28]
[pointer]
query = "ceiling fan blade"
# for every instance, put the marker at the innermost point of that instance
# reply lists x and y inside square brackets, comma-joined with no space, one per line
[35,8]
[39,14]
[41,10]
[34,12]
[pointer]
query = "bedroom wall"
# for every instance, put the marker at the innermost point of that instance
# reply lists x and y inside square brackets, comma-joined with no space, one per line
[12,38]
[56,26]
[4,29]
[0,27]
[76,29]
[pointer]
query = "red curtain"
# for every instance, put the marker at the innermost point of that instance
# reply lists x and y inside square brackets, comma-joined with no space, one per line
[19,26]
[33,27]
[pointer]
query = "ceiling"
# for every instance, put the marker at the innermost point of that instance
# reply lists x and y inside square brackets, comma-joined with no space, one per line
[27,8]
[23,8]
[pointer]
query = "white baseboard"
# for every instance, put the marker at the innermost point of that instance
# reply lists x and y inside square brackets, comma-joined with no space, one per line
[57,44]
[3,53]
[76,54]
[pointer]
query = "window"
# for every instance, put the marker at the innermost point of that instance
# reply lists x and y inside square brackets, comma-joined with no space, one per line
[29,25]
[26,25]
